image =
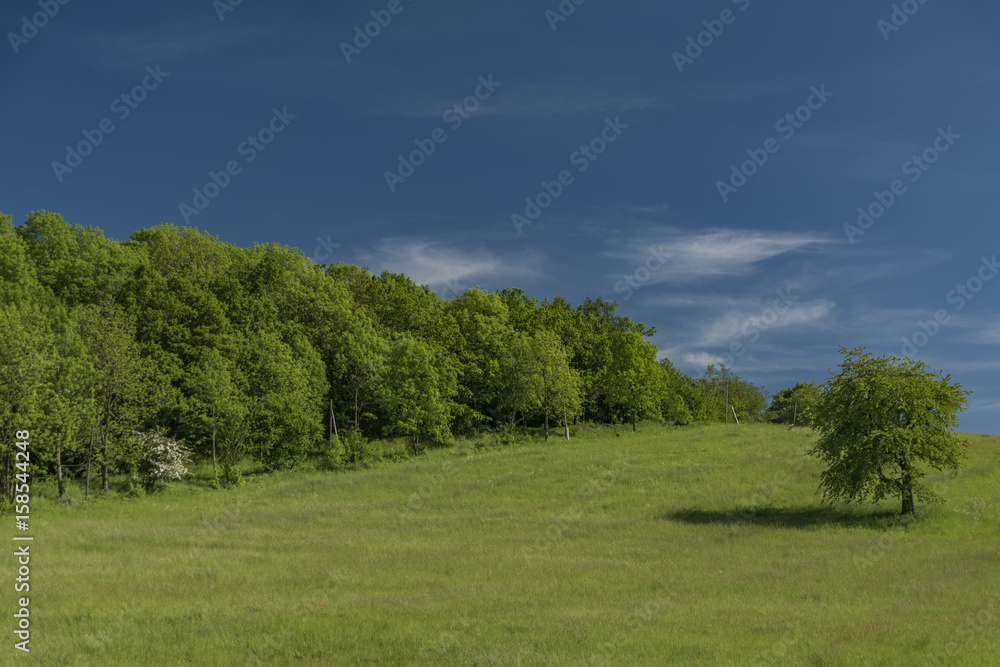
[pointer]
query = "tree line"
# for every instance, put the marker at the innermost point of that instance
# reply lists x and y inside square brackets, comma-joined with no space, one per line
[238,352]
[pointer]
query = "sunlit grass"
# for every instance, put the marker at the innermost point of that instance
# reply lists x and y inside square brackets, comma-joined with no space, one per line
[697,545]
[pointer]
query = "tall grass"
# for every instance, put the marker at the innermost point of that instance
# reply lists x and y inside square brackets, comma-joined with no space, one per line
[696,545]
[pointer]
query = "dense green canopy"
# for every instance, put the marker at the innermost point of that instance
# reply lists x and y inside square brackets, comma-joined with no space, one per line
[242,352]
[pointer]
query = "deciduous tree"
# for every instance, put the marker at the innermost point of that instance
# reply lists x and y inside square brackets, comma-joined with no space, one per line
[883,421]
[415,394]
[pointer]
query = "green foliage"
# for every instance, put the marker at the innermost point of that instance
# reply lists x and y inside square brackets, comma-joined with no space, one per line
[14,264]
[230,478]
[632,381]
[24,366]
[796,404]
[881,421]
[357,451]
[506,435]
[333,455]
[560,386]
[675,410]
[417,392]
[350,451]
[747,399]
[214,414]
[286,384]
[519,380]
[482,345]
[241,351]
[136,487]
[123,390]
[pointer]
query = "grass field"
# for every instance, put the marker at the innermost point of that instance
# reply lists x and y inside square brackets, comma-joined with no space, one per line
[695,545]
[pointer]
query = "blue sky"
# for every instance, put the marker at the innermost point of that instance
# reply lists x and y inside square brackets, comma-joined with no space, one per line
[636,157]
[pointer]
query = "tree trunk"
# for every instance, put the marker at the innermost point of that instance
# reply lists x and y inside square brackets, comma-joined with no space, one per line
[566,424]
[635,420]
[907,488]
[415,452]
[104,461]
[546,424]
[727,403]
[355,408]
[215,470]
[59,473]
[90,454]
[908,507]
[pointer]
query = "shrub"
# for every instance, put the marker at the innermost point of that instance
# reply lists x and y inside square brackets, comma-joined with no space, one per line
[334,455]
[164,459]
[229,479]
[357,451]
[136,487]
[508,435]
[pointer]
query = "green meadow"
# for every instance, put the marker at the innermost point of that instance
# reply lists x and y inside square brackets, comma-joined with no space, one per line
[705,544]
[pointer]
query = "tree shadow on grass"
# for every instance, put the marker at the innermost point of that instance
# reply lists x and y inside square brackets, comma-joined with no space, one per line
[803,517]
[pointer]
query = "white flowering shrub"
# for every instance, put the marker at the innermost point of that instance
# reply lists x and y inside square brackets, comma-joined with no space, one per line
[164,459]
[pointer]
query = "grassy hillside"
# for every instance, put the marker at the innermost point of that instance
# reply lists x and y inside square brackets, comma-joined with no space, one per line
[700,545]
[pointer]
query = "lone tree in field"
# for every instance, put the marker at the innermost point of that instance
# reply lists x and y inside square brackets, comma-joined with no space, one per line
[882,419]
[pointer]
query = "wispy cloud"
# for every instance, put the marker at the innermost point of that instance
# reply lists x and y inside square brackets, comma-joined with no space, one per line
[173,42]
[703,359]
[985,333]
[985,405]
[716,253]
[731,326]
[569,98]
[652,209]
[436,264]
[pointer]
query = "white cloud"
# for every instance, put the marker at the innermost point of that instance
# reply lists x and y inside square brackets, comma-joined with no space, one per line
[703,359]
[435,264]
[716,253]
[985,405]
[730,327]
[654,209]
[985,333]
